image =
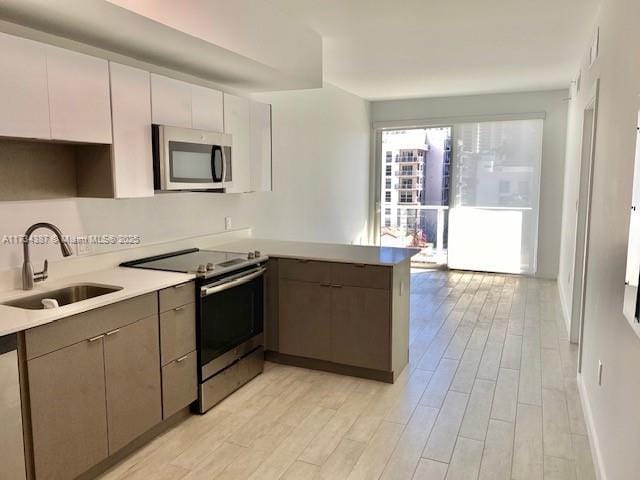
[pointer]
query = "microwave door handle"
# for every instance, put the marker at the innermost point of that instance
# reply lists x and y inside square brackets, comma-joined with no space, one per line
[214,150]
[224,164]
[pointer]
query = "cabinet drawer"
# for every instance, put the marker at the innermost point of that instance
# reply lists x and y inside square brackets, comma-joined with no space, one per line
[231,378]
[358,275]
[70,330]
[304,270]
[179,384]
[176,296]
[177,332]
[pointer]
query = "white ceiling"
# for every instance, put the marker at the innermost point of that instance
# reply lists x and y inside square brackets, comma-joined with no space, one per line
[380,49]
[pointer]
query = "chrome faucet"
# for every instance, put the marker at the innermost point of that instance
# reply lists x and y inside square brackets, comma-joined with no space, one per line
[28,275]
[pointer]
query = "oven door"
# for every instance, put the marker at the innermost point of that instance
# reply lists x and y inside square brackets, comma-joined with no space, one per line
[190,159]
[230,320]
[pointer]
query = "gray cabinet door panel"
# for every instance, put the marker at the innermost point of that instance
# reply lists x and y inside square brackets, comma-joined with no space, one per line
[305,319]
[305,270]
[361,327]
[68,410]
[132,370]
[176,296]
[177,332]
[67,331]
[357,275]
[179,384]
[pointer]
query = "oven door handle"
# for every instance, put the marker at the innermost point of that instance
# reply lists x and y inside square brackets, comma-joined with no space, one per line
[206,291]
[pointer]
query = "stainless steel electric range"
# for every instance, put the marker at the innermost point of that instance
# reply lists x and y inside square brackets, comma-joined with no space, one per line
[229,316]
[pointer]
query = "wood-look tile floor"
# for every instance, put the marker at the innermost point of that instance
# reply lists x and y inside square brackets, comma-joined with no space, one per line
[490,393]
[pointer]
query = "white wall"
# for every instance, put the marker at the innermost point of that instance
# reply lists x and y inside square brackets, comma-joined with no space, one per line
[321,144]
[553,149]
[613,407]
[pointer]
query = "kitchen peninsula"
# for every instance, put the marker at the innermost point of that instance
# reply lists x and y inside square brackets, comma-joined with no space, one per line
[339,308]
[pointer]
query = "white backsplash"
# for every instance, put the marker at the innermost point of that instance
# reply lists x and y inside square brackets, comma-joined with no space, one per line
[64,267]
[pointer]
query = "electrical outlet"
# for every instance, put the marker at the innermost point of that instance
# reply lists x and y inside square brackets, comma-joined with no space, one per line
[82,246]
[227,223]
[599,372]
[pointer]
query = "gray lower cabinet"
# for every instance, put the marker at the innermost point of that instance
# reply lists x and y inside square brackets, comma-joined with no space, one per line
[132,360]
[179,384]
[89,396]
[68,410]
[337,312]
[305,310]
[361,327]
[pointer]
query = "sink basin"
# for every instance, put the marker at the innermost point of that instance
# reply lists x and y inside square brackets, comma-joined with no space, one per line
[64,296]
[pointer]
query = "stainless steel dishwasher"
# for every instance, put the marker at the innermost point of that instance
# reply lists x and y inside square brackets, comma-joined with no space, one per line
[12,460]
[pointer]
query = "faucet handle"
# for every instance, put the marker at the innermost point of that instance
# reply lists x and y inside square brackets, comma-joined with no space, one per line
[43,275]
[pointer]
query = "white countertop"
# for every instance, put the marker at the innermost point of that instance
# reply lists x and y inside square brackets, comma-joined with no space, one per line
[136,282]
[133,281]
[329,252]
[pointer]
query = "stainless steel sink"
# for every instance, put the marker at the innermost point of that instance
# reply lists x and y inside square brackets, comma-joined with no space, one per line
[64,296]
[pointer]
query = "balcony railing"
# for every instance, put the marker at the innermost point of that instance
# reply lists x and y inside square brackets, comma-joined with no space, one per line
[419,226]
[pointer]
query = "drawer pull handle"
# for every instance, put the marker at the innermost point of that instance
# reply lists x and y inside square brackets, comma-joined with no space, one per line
[180,286]
[336,286]
[182,359]
[302,260]
[113,332]
[177,309]
[91,340]
[359,265]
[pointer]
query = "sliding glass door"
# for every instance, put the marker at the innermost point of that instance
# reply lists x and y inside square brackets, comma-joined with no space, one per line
[493,219]
[414,191]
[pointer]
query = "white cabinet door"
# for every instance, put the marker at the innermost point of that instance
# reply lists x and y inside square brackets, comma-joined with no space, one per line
[79,103]
[260,147]
[170,101]
[24,101]
[237,122]
[131,112]
[206,109]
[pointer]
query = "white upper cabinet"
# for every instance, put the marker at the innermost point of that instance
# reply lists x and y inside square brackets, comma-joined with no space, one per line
[24,100]
[237,122]
[170,101]
[79,103]
[131,113]
[180,104]
[260,147]
[206,109]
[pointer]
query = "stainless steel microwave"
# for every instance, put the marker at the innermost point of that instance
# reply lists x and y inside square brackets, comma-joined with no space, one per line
[190,159]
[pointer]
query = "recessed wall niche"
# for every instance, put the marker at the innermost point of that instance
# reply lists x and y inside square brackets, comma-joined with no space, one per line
[38,170]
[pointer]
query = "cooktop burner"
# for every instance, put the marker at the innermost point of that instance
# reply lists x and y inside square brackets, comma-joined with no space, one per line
[202,263]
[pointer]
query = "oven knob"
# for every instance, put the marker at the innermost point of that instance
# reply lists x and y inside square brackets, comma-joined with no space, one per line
[202,269]
[257,253]
[210,267]
[251,256]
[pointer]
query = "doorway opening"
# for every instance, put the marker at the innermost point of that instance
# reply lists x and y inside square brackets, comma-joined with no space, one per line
[415,186]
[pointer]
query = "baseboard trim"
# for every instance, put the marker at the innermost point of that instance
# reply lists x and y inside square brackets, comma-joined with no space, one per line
[594,442]
[565,309]
[313,364]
